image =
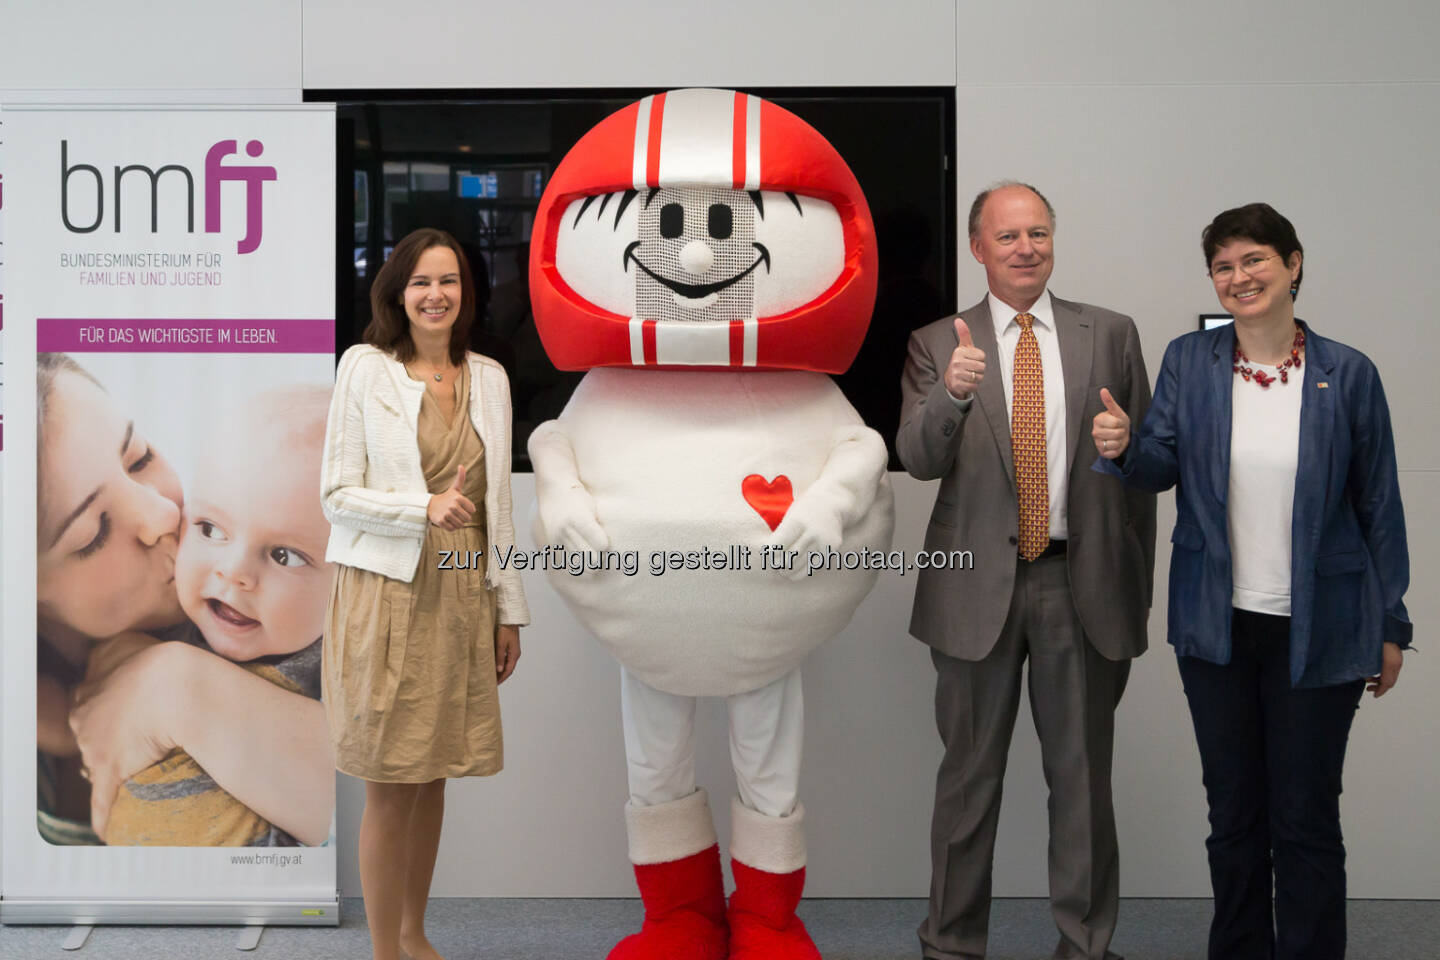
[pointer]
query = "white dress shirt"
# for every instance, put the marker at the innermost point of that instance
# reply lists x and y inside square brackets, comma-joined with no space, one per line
[1007,337]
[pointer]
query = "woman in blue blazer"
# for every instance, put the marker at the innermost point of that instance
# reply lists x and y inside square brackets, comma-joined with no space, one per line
[1287,574]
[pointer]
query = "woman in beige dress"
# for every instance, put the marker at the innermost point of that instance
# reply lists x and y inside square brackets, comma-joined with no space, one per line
[421,628]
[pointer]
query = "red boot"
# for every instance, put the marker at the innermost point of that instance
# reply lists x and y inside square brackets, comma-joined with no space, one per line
[763,925]
[682,889]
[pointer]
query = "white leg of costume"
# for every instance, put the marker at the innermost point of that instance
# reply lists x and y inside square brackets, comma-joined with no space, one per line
[659,742]
[767,734]
[767,825]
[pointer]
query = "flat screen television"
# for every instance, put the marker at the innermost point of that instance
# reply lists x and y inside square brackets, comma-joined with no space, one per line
[475,162]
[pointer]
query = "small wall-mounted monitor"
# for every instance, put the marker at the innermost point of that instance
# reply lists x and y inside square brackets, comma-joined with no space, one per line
[1209,321]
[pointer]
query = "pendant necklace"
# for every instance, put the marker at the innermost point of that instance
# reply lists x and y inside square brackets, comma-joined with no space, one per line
[439,376]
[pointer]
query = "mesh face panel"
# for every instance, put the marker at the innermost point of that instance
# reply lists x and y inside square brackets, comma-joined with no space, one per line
[733,256]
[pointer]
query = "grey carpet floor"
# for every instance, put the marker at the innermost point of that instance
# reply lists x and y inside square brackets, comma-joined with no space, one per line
[843,930]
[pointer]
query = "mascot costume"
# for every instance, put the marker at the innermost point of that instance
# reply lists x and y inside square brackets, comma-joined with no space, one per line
[709,258]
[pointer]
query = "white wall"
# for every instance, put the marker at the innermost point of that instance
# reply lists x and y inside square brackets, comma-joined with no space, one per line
[150,51]
[1140,121]
[629,43]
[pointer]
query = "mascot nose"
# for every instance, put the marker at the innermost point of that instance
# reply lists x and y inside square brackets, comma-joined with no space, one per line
[696,257]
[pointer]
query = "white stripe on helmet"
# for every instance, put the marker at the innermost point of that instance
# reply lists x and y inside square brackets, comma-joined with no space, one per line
[752,142]
[697,138]
[642,139]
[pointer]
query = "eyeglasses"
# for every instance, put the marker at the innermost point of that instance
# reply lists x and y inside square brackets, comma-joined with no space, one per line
[1248,266]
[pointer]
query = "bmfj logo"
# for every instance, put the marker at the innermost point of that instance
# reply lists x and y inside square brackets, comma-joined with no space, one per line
[217,171]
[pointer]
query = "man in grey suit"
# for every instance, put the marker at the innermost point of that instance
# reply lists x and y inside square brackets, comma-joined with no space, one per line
[998,403]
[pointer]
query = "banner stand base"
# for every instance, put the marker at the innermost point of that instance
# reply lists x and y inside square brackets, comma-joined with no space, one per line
[249,938]
[219,913]
[77,937]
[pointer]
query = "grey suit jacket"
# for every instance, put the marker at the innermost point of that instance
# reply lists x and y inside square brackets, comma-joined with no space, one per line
[1111,550]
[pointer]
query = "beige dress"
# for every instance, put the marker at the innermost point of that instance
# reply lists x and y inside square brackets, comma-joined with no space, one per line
[409,668]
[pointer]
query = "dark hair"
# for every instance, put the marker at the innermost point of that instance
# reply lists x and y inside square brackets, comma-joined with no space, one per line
[978,206]
[389,327]
[1259,222]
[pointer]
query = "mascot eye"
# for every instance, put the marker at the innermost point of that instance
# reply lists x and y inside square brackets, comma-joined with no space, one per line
[721,221]
[672,221]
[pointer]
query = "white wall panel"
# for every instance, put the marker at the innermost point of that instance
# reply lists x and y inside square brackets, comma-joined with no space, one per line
[1219,41]
[1135,173]
[629,43]
[150,50]
[1391,772]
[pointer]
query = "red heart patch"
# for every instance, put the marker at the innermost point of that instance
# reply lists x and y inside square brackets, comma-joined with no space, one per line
[769,498]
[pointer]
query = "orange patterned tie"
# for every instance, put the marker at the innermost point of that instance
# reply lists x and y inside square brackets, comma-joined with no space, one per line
[1027,442]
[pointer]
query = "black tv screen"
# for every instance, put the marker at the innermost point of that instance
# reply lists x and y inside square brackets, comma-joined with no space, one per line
[475,163]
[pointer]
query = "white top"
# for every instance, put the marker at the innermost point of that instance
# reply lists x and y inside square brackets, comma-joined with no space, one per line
[372,487]
[1264,454]
[1007,336]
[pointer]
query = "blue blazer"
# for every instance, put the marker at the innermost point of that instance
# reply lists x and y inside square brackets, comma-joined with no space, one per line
[1349,562]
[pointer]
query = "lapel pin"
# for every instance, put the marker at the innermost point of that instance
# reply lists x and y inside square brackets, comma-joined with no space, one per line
[1322,385]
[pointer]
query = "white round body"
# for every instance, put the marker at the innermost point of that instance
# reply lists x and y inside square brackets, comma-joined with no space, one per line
[665,455]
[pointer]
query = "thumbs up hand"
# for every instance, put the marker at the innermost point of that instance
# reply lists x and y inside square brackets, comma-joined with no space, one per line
[967,364]
[452,509]
[1111,429]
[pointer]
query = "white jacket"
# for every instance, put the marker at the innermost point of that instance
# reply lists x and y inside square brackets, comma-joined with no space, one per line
[371,485]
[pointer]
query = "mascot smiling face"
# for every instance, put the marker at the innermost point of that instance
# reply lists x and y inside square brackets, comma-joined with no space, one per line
[703,228]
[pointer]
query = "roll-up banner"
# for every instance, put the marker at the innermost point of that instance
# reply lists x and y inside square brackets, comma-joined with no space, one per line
[2,367]
[169,324]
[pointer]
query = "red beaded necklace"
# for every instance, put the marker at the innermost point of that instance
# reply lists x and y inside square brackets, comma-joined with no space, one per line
[1292,362]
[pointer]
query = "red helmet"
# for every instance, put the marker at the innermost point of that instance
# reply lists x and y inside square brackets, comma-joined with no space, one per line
[703,228]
